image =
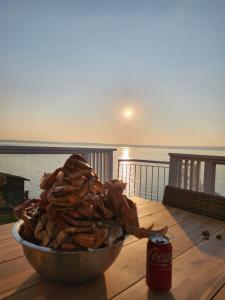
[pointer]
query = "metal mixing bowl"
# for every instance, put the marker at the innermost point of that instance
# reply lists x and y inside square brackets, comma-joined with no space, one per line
[67,267]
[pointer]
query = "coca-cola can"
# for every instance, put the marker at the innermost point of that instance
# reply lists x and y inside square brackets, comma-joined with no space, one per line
[159,264]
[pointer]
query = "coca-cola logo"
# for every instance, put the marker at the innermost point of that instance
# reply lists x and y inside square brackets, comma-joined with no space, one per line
[157,258]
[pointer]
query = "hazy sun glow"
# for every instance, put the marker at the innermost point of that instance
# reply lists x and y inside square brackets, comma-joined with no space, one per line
[128,113]
[170,60]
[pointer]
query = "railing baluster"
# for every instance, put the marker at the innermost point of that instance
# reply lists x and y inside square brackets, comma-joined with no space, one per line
[140,180]
[152,180]
[106,169]
[158,185]
[198,166]
[146,178]
[129,179]
[103,166]
[93,162]
[180,175]
[135,180]
[126,175]
[164,177]
[185,174]
[191,174]
[134,173]
[100,165]
[122,165]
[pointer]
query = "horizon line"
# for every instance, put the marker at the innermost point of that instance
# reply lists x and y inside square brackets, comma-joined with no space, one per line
[118,145]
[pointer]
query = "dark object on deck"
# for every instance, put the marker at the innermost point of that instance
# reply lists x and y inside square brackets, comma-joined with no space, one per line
[198,202]
[205,233]
[11,190]
[219,237]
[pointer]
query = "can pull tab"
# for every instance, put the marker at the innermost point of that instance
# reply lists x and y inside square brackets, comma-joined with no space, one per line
[160,239]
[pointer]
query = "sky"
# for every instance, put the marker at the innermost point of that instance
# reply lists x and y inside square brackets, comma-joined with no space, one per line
[127,72]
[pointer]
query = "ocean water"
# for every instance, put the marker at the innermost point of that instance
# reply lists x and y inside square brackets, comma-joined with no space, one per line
[32,166]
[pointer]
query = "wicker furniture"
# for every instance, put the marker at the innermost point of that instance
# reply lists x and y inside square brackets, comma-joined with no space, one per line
[198,202]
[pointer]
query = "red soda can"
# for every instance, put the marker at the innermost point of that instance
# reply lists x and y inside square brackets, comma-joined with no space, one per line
[159,263]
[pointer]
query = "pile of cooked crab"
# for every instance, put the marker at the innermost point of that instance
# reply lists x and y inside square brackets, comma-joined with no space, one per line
[77,212]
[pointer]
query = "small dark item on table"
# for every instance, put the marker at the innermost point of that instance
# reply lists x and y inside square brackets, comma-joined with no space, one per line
[206,234]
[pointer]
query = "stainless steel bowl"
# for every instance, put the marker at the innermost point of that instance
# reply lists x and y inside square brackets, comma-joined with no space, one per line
[67,267]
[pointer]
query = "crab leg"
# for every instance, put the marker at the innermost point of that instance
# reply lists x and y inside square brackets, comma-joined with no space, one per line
[39,229]
[49,179]
[60,238]
[78,229]
[91,240]
[144,232]
[75,223]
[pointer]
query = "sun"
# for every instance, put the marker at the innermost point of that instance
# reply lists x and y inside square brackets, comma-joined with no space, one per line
[128,113]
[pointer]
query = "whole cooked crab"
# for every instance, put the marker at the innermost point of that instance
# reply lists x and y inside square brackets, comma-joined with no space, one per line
[75,211]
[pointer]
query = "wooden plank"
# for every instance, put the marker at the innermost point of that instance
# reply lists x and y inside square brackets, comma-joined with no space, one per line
[16,275]
[197,274]
[149,209]
[10,249]
[189,232]
[220,295]
[96,290]
[168,217]
[128,269]
[140,201]
[5,231]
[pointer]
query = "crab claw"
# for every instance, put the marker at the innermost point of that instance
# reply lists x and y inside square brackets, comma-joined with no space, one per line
[145,232]
[25,211]
[74,162]
[49,179]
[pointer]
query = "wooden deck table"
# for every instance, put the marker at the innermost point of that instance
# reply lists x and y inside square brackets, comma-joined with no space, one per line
[198,264]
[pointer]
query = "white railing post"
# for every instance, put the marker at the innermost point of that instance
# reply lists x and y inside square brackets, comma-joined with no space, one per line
[209,177]
[100,159]
[186,171]
[198,174]
[186,174]
[180,173]
[173,172]
[191,174]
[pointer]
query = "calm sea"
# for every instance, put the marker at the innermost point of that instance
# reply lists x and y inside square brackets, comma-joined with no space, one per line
[33,166]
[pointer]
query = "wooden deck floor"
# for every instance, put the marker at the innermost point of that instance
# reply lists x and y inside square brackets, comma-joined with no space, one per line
[198,265]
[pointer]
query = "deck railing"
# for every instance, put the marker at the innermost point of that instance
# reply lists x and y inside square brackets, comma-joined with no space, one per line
[101,159]
[194,172]
[145,178]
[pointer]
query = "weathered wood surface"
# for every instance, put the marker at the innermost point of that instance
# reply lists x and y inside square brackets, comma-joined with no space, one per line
[197,274]
[198,265]
[220,295]
[5,231]
[9,249]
